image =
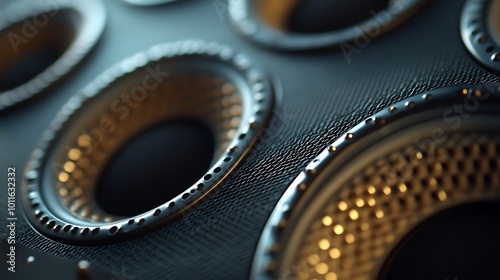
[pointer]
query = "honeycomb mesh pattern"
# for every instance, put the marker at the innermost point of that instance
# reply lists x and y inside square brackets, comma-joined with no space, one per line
[366,217]
[210,100]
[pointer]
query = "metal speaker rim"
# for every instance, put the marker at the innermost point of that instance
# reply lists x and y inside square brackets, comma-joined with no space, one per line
[476,35]
[51,222]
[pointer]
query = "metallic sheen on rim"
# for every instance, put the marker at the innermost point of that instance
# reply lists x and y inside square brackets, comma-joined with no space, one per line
[246,22]
[92,24]
[281,224]
[258,95]
[476,36]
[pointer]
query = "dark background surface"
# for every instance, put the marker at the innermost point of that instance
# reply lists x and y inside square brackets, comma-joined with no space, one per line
[322,97]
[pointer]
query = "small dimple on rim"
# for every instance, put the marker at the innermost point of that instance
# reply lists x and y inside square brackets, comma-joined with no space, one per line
[113,229]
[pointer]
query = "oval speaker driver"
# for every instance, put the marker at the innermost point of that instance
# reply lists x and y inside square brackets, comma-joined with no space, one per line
[311,24]
[147,140]
[41,41]
[411,193]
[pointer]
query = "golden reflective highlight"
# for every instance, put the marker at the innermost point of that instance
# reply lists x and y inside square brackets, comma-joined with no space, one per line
[373,211]
[84,141]
[327,221]
[275,13]
[210,99]
[69,166]
[74,154]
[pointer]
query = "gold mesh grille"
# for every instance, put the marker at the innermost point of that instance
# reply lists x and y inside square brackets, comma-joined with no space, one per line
[365,219]
[208,99]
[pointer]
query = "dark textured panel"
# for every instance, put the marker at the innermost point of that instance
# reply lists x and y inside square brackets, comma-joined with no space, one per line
[323,96]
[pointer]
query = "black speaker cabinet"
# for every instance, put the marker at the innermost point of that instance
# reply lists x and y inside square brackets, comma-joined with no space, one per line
[250,139]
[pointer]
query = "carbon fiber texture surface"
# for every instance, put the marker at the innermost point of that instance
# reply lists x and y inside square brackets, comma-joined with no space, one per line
[320,95]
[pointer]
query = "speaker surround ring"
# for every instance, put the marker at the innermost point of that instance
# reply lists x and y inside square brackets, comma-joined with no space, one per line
[237,110]
[476,34]
[246,22]
[88,29]
[334,182]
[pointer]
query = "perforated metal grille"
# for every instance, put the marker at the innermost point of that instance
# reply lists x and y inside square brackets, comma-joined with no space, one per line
[366,217]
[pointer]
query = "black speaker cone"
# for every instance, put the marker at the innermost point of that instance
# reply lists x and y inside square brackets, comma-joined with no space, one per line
[460,243]
[23,59]
[154,167]
[318,16]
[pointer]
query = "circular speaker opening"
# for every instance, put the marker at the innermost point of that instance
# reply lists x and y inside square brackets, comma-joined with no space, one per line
[306,16]
[164,160]
[41,42]
[480,31]
[343,216]
[459,243]
[23,62]
[301,24]
[146,141]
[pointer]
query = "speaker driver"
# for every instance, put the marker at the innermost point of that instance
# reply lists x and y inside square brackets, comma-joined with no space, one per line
[145,142]
[364,199]
[480,30]
[311,24]
[42,41]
